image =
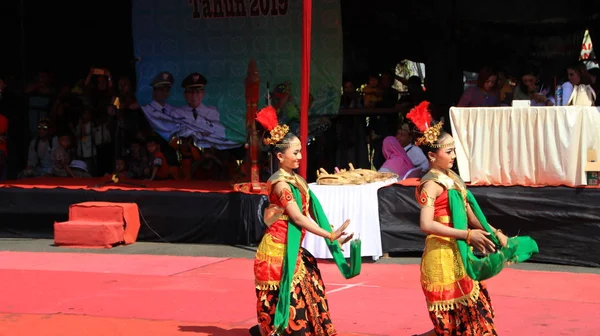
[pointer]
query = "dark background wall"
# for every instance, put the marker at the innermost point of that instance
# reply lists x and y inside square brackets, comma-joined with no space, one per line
[448,35]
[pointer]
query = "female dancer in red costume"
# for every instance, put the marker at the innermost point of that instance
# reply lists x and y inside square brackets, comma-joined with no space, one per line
[451,275]
[291,296]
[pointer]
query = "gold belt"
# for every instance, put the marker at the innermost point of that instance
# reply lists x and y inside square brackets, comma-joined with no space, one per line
[442,219]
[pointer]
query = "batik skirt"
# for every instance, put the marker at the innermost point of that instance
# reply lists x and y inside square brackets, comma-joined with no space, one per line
[473,319]
[309,312]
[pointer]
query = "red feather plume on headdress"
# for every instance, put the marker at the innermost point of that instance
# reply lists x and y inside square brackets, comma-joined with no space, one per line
[267,117]
[421,117]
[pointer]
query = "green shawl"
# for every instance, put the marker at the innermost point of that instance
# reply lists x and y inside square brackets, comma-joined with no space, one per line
[294,234]
[518,249]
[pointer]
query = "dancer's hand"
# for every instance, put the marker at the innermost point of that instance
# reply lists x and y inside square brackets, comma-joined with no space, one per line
[272,214]
[340,231]
[343,240]
[479,239]
[502,238]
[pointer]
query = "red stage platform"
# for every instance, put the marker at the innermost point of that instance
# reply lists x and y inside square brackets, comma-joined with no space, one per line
[413,182]
[171,211]
[94,184]
[563,220]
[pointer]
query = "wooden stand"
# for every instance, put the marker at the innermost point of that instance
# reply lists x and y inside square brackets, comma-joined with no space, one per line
[252,167]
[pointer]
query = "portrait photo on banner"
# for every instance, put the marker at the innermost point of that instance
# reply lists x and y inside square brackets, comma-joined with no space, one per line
[217,38]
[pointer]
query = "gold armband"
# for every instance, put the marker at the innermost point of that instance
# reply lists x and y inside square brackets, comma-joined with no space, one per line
[425,200]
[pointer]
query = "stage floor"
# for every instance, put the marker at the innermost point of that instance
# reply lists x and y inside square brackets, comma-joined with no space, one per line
[49,294]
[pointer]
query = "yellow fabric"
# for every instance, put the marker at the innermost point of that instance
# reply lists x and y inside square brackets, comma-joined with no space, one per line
[442,270]
[442,219]
[272,253]
[441,265]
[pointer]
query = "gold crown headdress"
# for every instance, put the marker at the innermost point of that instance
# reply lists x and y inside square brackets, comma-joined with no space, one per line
[267,117]
[421,117]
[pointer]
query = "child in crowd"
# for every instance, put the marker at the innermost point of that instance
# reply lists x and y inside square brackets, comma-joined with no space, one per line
[121,168]
[86,148]
[137,161]
[61,158]
[159,168]
[80,169]
[372,92]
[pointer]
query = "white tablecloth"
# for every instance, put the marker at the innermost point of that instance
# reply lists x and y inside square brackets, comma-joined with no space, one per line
[357,203]
[524,146]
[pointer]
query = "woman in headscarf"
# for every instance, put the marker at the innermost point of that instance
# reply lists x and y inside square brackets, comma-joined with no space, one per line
[396,159]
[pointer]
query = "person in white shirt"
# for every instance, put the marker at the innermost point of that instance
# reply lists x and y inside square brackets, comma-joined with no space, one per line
[202,127]
[415,154]
[161,115]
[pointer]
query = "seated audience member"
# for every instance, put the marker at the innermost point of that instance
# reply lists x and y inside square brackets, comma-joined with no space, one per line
[79,169]
[415,154]
[396,160]
[121,169]
[61,158]
[3,146]
[505,88]
[527,89]
[389,95]
[372,92]
[416,92]
[159,169]
[137,160]
[39,158]
[594,74]
[485,94]
[578,75]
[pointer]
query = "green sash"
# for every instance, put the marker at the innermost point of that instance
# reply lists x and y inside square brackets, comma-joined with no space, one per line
[294,233]
[518,249]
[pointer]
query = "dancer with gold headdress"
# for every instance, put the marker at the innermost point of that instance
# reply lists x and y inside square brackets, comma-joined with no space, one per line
[290,292]
[451,275]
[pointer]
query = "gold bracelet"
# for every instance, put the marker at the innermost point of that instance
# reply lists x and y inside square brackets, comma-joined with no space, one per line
[331,236]
[468,239]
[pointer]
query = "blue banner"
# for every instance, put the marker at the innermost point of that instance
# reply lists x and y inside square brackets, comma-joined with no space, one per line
[217,38]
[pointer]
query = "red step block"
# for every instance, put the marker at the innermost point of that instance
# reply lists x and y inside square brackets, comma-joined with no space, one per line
[98,224]
[82,233]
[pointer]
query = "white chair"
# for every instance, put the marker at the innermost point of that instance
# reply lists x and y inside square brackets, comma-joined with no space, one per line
[415,172]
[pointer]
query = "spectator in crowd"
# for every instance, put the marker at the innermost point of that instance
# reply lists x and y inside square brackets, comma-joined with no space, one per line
[39,159]
[61,158]
[485,93]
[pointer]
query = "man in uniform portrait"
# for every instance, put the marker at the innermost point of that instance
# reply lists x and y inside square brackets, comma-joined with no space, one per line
[203,129]
[161,116]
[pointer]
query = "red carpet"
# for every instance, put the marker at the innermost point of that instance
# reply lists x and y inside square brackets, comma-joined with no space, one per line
[88,294]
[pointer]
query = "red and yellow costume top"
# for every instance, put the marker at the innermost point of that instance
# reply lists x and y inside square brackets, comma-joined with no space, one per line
[269,256]
[443,277]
